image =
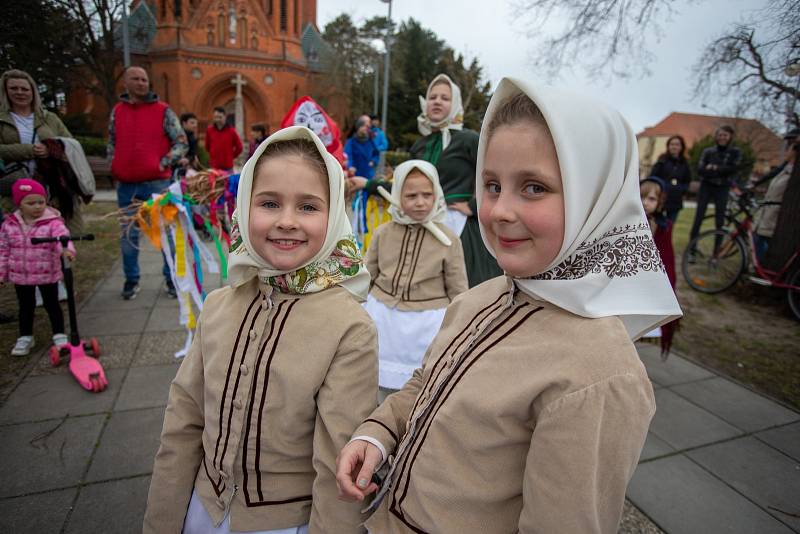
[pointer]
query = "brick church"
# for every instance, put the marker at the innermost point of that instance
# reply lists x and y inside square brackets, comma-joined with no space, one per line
[193,51]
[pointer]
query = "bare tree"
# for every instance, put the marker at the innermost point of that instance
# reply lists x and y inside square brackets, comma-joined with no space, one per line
[757,63]
[607,37]
[95,44]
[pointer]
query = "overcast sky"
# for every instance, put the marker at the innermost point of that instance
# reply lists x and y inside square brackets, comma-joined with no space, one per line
[483,29]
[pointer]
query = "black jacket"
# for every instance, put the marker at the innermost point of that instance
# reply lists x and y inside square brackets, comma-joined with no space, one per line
[726,158]
[677,176]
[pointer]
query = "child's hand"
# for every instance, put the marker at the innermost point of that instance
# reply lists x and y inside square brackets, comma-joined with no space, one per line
[355,466]
[68,254]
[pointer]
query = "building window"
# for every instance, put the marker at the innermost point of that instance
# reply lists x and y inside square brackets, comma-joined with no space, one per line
[243,32]
[221,29]
[284,21]
[268,7]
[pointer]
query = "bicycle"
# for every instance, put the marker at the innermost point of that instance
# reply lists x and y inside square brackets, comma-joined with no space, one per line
[716,259]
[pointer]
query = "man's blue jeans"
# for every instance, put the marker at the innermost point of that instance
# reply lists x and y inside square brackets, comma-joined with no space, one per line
[129,239]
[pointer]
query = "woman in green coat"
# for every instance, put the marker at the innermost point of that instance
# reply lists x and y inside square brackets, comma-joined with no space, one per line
[454,151]
[24,124]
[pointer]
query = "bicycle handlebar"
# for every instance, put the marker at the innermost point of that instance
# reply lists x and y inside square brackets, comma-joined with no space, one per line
[63,239]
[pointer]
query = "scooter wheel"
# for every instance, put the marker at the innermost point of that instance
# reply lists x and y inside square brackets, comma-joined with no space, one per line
[95,346]
[55,356]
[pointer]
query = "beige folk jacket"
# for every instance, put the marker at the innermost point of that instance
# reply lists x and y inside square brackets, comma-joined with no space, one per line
[523,418]
[412,271]
[271,390]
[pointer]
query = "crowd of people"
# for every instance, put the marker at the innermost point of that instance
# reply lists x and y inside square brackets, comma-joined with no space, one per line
[486,332]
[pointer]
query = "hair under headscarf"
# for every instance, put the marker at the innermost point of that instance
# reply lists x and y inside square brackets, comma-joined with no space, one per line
[608,264]
[338,262]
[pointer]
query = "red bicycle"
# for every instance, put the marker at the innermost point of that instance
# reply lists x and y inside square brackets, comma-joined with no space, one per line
[716,259]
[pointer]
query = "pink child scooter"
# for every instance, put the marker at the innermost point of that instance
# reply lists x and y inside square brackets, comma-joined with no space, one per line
[86,370]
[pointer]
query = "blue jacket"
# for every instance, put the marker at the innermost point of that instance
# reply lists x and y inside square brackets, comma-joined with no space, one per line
[379,138]
[363,155]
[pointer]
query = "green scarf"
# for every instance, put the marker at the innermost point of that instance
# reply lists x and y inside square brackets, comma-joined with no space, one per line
[433,148]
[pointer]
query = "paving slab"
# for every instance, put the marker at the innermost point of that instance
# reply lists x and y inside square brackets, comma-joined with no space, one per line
[146,387]
[123,505]
[128,322]
[763,474]
[115,280]
[56,396]
[736,404]
[786,439]
[35,514]
[682,425]
[112,301]
[675,370]
[116,352]
[164,319]
[683,498]
[655,447]
[46,455]
[128,445]
[158,348]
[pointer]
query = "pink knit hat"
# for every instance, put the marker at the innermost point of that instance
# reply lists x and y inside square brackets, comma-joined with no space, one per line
[24,187]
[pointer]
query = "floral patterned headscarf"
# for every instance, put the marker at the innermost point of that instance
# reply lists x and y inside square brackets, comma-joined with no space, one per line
[608,263]
[338,262]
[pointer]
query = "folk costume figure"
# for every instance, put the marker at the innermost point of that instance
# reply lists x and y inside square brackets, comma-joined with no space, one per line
[282,368]
[417,268]
[306,112]
[453,150]
[533,381]
[654,193]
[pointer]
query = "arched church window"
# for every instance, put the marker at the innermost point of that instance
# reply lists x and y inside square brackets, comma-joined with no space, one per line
[232,23]
[268,7]
[284,15]
[221,28]
[243,32]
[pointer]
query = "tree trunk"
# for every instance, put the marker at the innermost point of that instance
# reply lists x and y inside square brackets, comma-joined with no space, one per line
[786,239]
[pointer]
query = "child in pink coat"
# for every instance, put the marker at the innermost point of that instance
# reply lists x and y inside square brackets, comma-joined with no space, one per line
[27,265]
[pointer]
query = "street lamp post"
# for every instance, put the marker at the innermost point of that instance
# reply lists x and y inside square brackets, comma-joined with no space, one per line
[384,114]
[126,46]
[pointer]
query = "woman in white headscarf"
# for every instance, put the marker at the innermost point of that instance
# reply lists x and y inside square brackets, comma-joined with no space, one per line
[532,406]
[282,367]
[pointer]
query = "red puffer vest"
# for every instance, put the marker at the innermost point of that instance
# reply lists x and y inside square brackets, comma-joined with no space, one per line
[140,142]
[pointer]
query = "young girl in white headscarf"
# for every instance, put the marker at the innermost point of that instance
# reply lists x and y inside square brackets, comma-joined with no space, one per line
[417,268]
[532,406]
[282,367]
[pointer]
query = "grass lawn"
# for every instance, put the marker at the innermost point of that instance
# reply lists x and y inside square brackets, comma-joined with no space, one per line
[94,259]
[746,332]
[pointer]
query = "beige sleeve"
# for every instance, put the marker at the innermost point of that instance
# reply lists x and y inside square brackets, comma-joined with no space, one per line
[181,451]
[455,270]
[372,257]
[348,394]
[583,452]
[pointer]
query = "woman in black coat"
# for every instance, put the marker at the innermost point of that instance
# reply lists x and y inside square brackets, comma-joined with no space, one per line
[673,169]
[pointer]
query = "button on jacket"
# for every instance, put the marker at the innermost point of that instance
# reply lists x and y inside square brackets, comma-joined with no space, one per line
[524,418]
[271,390]
[411,270]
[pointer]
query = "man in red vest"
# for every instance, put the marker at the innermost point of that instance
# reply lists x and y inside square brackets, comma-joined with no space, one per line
[145,141]
[222,142]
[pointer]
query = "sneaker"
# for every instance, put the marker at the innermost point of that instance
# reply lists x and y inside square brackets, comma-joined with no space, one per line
[23,346]
[171,291]
[60,339]
[130,289]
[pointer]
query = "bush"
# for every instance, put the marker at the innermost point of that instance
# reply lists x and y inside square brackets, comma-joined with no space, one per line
[93,146]
[78,125]
[395,158]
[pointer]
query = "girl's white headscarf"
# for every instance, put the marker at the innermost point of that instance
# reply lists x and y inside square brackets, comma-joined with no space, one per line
[608,263]
[453,121]
[338,262]
[437,213]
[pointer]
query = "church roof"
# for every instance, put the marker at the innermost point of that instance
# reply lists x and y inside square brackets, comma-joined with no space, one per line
[316,51]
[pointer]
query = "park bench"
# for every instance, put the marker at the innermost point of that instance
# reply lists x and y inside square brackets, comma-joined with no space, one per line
[101,168]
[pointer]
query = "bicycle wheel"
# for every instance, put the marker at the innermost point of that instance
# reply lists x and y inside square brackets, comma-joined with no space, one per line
[713,261]
[794,294]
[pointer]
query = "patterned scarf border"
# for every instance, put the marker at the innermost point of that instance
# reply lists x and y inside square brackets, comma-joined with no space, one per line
[621,252]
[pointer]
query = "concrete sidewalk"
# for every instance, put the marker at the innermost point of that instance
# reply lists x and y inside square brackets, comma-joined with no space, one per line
[719,458]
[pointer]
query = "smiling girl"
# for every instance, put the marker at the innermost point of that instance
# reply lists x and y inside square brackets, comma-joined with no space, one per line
[532,406]
[417,268]
[282,368]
